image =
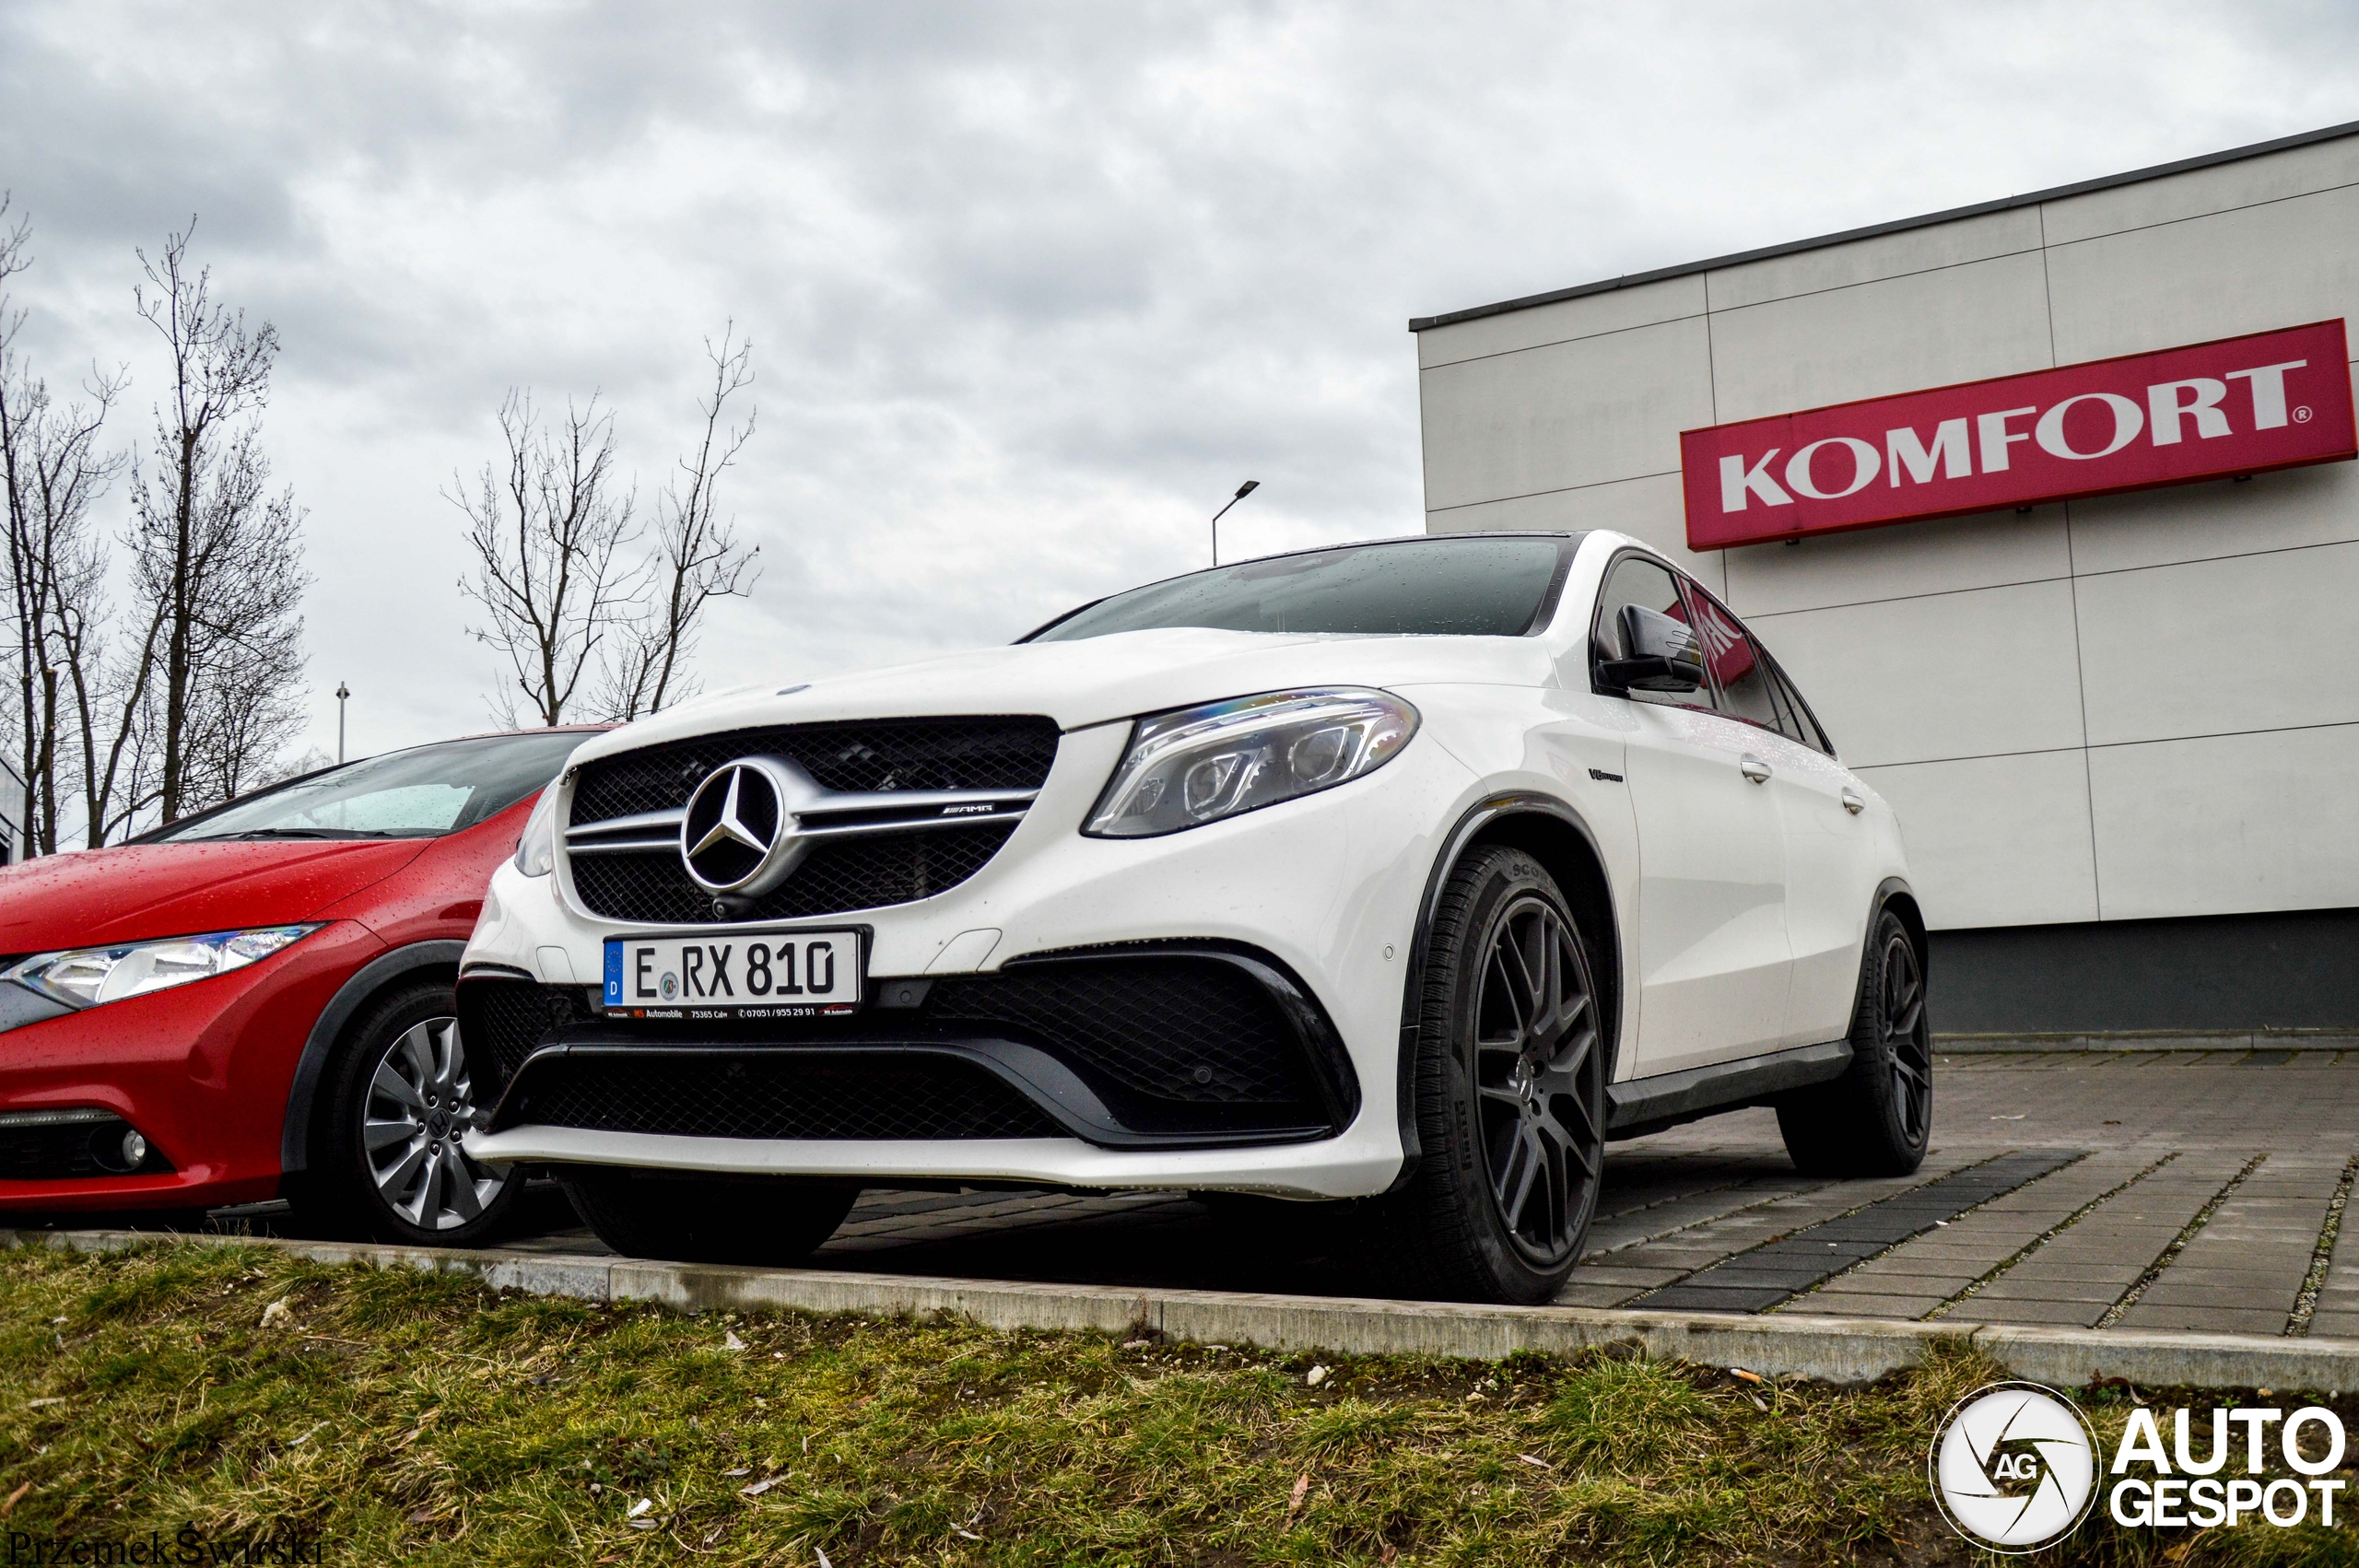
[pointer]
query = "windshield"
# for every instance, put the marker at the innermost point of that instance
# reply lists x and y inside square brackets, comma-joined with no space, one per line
[420,793]
[1483,587]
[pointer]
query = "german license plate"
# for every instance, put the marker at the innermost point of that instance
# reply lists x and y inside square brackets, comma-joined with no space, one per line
[743,975]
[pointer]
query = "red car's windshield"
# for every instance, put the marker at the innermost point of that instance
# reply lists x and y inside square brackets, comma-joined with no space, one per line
[420,793]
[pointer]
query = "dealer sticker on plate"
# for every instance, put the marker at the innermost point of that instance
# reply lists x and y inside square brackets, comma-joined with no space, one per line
[758,975]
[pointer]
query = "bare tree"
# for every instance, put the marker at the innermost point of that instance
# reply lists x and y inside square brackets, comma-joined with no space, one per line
[698,557]
[53,471]
[217,560]
[545,527]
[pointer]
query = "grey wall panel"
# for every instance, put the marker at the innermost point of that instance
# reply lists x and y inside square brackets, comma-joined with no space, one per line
[1941,556]
[1645,509]
[1572,413]
[1884,256]
[1926,329]
[2288,509]
[2247,271]
[1996,840]
[2223,974]
[1614,309]
[2293,172]
[2234,824]
[1979,673]
[2251,642]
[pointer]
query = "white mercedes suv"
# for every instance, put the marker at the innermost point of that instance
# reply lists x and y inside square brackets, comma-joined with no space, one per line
[1406,872]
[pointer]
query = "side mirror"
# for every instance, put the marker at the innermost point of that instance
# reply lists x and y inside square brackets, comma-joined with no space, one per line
[1662,654]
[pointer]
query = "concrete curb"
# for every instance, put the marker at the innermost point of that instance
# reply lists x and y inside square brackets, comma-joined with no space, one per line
[2149,1040]
[1835,1350]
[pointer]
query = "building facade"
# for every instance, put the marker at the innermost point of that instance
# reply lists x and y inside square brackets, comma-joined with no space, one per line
[2121,732]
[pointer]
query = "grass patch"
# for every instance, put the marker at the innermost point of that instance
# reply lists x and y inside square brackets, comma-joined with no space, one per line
[393,1414]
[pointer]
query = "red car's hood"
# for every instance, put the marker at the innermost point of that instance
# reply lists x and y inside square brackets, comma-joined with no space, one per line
[154,890]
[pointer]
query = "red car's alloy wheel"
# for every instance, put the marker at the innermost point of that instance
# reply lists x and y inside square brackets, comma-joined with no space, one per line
[420,1102]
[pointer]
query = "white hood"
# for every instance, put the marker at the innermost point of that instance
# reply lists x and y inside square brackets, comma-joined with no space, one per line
[1106,678]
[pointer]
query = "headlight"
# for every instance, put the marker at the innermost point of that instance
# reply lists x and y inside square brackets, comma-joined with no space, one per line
[89,976]
[536,849]
[1202,763]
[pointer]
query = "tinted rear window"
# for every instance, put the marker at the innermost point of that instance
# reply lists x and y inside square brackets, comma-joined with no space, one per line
[1427,587]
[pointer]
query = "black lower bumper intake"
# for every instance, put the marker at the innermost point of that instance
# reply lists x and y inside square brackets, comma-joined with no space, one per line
[1164,1044]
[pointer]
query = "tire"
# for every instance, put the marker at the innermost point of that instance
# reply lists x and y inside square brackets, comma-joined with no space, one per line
[386,1157]
[773,1222]
[1510,1085]
[1876,1119]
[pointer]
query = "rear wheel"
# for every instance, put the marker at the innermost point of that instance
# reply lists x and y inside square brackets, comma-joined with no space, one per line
[1510,1091]
[1877,1117]
[704,1218]
[399,1098]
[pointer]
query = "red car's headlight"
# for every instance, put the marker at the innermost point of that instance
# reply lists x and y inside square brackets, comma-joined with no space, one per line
[86,976]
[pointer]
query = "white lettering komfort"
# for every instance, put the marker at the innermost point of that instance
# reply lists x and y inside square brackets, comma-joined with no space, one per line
[2171,408]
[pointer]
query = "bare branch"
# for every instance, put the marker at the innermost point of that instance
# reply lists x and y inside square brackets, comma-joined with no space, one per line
[698,557]
[546,526]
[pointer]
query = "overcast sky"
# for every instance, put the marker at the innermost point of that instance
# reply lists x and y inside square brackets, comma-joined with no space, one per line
[1031,287]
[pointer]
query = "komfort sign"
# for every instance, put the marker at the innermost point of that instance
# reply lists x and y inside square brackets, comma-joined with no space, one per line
[2207,411]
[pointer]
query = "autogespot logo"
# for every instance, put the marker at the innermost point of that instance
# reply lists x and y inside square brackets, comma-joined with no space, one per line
[2015,1467]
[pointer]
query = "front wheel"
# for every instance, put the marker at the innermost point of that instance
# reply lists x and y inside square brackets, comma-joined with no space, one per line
[399,1098]
[1877,1117]
[1510,1091]
[771,1220]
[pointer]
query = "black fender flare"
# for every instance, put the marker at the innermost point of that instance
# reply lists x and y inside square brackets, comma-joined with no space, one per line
[1484,814]
[295,1133]
[1912,916]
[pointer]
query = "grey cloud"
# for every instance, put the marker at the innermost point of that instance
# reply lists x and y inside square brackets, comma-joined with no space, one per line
[1032,287]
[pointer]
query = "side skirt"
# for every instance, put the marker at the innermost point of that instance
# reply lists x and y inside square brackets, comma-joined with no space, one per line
[1640,1106]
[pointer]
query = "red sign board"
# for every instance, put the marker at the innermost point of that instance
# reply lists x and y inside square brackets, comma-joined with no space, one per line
[2239,405]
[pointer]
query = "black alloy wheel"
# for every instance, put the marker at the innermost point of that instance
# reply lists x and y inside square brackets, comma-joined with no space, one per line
[1535,1051]
[1509,1080]
[1878,1117]
[1901,1031]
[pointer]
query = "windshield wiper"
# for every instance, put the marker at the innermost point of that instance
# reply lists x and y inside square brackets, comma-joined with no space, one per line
[298,833]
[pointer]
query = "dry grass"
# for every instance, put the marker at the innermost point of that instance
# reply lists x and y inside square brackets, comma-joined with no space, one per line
[405,1416]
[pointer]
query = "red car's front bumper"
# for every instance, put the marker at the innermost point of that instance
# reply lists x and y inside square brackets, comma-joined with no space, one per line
[202,1070]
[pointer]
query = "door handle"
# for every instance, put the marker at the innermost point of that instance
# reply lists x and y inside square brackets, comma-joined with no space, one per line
[1853,801]
[1753,767]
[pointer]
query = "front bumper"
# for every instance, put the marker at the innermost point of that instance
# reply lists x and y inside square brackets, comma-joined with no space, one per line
[201,1070]
[1326,887]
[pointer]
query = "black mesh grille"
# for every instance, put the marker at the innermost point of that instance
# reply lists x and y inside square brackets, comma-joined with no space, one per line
[860,873]
[1177,1028]
[992,753]
[501,1021]
[757,1094]
[856,874]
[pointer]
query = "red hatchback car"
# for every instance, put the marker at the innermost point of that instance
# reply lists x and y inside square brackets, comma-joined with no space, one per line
[256,1001]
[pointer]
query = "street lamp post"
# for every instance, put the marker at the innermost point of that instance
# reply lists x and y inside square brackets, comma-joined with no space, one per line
[341,692]
[1242,491]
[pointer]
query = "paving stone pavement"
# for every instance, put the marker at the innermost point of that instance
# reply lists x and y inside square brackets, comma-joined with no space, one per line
[2139,1189]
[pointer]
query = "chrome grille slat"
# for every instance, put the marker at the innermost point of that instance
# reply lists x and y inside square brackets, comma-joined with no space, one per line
[980,774]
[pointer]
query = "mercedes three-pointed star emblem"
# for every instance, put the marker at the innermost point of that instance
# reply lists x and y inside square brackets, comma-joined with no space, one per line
[737,823]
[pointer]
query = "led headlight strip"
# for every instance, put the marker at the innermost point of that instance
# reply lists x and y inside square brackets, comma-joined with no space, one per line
[1200,765]
[87,977]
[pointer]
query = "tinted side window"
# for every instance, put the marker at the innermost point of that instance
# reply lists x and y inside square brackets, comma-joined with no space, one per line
[1635,580]
[1737,665]
[1813,734]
